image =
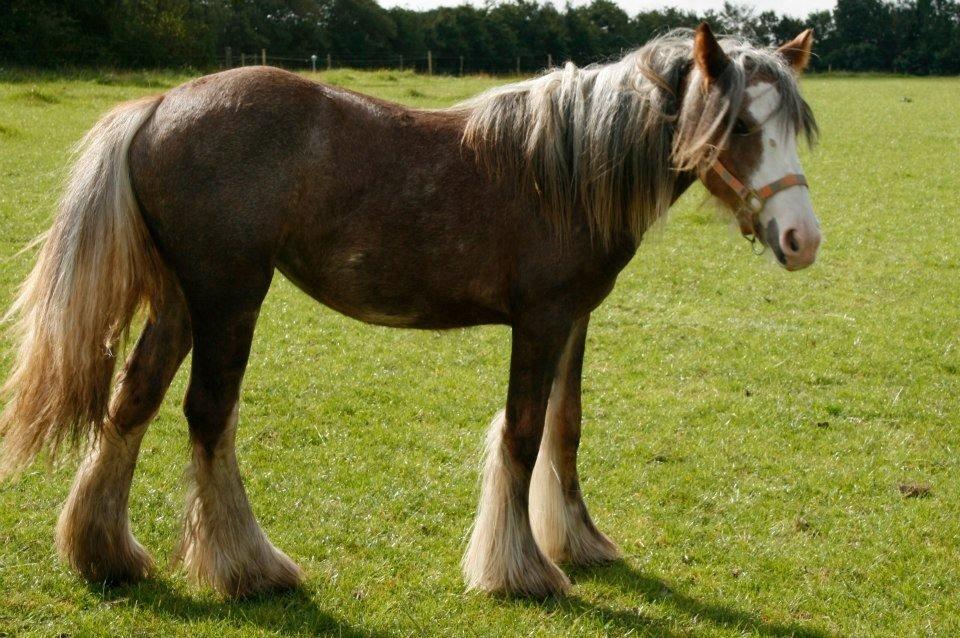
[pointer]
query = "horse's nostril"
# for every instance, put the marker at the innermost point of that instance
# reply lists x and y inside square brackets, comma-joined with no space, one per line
[792,243]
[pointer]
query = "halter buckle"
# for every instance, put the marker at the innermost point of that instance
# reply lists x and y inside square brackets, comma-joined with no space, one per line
[753,202]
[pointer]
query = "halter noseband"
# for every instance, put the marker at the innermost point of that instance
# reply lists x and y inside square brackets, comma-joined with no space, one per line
[752,201]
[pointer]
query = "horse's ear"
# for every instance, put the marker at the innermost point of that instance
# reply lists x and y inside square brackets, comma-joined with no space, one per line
[797,51]
[707,54]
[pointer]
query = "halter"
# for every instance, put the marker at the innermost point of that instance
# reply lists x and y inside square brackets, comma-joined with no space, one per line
[752,201]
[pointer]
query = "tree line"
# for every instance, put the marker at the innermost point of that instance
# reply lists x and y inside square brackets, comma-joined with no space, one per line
[908,36]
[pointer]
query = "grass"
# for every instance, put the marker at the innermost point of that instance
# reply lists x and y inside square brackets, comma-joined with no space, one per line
[753,438]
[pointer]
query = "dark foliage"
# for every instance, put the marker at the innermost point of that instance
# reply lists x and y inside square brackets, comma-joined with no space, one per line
[909,36]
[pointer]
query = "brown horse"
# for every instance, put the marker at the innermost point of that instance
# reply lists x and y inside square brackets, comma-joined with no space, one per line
[519,207]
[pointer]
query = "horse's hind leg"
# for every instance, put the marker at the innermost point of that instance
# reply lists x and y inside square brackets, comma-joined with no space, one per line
[223,544]
[561,524]
[93,533]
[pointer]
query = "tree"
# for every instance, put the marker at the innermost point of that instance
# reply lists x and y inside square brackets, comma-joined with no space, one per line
[410,39]
[357,29]
[614,33]
[907,36]
[738,19]
[864,34]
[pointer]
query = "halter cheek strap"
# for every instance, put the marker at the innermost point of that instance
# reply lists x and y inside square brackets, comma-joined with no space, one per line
[752,201]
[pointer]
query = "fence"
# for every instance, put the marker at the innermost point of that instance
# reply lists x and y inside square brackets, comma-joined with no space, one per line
[428,64]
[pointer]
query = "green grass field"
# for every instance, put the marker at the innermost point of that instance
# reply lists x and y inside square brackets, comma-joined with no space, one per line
[747,430]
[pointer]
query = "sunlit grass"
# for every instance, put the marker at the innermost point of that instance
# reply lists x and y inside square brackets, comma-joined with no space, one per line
[746,430]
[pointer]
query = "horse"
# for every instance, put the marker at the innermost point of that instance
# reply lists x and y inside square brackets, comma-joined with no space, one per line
[517,207]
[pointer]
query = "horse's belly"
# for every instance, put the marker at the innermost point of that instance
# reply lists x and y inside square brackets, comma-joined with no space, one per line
[397,291]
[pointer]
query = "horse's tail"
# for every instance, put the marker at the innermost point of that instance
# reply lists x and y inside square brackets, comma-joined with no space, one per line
[97,266]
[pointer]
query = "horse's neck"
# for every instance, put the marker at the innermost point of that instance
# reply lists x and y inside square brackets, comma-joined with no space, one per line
[685,178]
[684,181]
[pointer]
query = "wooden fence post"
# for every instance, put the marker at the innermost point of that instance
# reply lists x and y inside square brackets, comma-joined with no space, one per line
[549,60]
[263,57]
[329,62]
[429,62]
[461,66]
[227,57]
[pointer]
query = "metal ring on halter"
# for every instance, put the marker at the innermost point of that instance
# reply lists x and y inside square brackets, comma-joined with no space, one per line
[754,202]
[749,227]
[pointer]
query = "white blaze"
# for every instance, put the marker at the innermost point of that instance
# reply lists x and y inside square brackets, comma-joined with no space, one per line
[791,208]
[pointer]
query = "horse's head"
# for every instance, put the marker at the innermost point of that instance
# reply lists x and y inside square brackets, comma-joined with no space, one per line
[738,129]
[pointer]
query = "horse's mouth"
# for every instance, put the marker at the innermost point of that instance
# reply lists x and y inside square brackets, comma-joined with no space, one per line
[771,237]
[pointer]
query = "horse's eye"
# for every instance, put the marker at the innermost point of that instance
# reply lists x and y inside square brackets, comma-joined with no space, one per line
[740,127]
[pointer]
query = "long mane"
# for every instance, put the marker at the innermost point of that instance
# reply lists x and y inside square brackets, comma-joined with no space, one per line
[607,142]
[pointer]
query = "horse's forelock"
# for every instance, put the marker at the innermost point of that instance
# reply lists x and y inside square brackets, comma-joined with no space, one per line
[709,111]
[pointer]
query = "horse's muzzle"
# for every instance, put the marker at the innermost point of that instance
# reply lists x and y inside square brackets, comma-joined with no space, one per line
[795,247]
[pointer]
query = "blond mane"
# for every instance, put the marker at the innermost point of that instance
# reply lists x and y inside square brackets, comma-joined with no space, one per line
[607,142]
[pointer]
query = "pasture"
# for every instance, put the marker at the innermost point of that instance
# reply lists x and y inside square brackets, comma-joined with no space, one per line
[777,454]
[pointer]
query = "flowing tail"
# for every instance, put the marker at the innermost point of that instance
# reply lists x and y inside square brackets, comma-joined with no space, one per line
[97,267]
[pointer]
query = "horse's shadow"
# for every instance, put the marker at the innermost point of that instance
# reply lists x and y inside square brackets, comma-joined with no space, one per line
[292,613]
[653,590]
[296,613]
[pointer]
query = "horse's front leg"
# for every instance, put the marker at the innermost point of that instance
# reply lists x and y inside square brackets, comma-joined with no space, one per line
[561,524]
[502,556]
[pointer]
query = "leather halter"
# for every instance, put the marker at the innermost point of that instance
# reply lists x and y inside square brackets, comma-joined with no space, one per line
[752,201]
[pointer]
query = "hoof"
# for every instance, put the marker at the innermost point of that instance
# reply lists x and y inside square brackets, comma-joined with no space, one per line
[568,535]
[533,576]
[594,548]
[100,555]
[259,570]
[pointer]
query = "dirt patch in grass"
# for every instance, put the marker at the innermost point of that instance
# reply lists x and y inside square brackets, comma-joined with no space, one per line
[914,490]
